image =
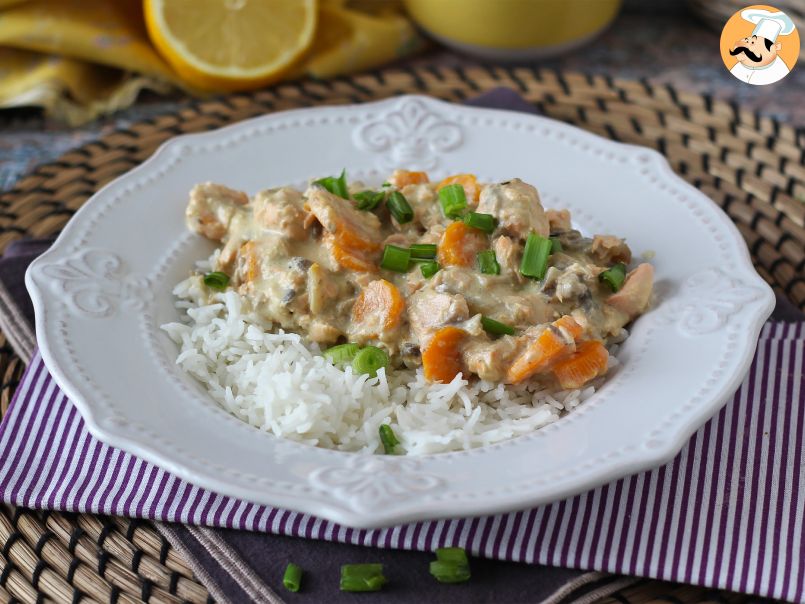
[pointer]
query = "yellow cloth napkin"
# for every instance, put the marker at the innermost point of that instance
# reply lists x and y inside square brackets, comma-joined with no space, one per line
[81,58]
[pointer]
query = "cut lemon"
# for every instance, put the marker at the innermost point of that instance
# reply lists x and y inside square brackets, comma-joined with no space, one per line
[230,44]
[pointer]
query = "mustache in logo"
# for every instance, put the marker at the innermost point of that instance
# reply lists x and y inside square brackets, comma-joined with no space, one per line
[752,56]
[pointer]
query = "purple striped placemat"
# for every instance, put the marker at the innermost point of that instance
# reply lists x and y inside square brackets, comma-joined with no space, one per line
[725,513]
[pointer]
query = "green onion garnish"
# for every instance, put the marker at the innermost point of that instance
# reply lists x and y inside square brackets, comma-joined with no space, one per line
[487,263]
[368,200]
[216,280]
[429,269]
[369,360]
[343,353]
[556,245]
[451,565]
[452,555]
[535,256]
[423,251]
[388,438]
[453,200]
[614,276]
[362,577]
[292,579]
[399,207]
[444,572]
[482,222]
[395,258]
[496,328]
[335,185]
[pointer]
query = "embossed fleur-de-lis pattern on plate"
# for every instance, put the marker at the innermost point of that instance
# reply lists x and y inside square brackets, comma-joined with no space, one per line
[706,301]
[95,283]
[371,483]
[411,135]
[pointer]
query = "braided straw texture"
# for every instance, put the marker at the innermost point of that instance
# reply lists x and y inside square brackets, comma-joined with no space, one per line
[752,166]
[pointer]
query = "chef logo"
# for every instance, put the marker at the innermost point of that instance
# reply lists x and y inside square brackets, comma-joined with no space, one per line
[760,45]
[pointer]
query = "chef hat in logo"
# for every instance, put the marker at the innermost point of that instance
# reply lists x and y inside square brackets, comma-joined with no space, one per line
[769,25]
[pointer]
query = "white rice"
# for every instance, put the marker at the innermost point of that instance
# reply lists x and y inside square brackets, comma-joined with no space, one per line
[277,382]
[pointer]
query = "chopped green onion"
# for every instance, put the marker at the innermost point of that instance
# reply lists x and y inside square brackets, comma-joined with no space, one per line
[395,258]
[399,207]
[388,438]
[343,353]
[451,565]
[369,360]
[482,222]
[335,185]
[292,579]
[535,256]
[452,555]
[556,245]
[487,263]
[496,328]
[423,251]
[446,572]
[216,280]
[453,200]
[368,200]
[362,577]
[429,269]
[614,276]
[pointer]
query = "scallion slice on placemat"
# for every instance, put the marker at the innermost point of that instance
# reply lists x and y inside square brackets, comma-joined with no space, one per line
[362,577]
[292,579]
[451,565]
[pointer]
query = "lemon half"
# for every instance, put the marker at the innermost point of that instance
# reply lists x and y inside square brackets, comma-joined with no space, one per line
[231,44]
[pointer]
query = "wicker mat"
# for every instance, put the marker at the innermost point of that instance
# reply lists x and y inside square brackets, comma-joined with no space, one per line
[752,166]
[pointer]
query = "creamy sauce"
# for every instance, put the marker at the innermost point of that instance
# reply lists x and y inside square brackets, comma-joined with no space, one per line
[310,263]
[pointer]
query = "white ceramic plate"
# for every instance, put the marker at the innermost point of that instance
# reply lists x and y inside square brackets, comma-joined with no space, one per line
[104,288]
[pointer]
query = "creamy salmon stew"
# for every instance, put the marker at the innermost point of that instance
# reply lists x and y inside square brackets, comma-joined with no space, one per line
[413,317]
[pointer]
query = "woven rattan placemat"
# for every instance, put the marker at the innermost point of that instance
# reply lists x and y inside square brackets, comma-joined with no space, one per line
[752,166]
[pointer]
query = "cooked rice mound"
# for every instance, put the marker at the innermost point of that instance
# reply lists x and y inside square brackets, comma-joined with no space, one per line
[279,383]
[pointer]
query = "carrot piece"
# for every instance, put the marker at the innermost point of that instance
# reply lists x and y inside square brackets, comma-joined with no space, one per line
[552,345]
[468,181]
[588,362]
[402,178]
[441,359]
[460,244]
[349,258]
[570,325]
[379,307]
[249,269]
[350,240]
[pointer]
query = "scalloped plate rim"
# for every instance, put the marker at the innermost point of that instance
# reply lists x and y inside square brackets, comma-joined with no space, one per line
[618,468]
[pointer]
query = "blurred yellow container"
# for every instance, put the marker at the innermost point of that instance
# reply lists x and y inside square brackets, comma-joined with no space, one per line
[513,29]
